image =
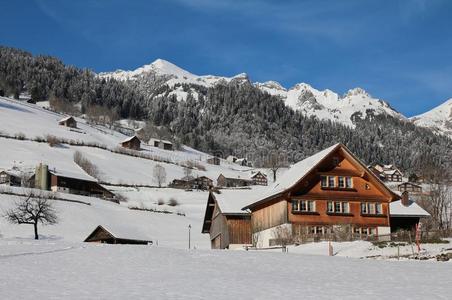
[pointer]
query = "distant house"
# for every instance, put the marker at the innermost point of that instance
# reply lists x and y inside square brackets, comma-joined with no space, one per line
[388,172]
[16,177]
[259,178]
[133,143]
[231,158]
[409,187]
[227,224]
[233,181]
[69,182]
[242,161]
[162,144]
[405,213]
[68,122]
[214,160]
[117,236]
[190,182]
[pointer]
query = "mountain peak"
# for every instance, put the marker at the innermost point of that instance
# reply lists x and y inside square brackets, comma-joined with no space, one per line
[356,92]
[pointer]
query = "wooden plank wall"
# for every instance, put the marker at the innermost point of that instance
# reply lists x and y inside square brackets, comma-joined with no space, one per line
[270,216]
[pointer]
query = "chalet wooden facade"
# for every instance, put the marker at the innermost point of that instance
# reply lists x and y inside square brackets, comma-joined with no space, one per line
[328,192]
[190,182]
[224,220]
[388,172]
[259,178]
[409,187]
[230,181]
[132,143]
[107,236]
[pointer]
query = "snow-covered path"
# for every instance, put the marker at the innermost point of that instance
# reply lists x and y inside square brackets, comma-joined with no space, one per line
[144,272]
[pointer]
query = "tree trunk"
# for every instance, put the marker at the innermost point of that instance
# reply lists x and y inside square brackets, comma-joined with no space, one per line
[274,174]
[36,230]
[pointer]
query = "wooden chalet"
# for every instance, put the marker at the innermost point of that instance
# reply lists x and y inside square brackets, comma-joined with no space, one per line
[117,236]
[133,143]
[409,187]
[405,213]
[233,181]
[329,192]
[259,178]
[68,122]
[162,144]
[224,220]
[214,160]
[190,182]
[388,172]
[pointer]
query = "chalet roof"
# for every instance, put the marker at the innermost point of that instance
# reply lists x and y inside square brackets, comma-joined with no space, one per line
[299,170]
[66,119]
[232,201]
[257,173]
[391,172]
[159,140]
[239,160]
[71,174]
[122,232]
[397,209]
[410,183]
[246,177]
[129,139]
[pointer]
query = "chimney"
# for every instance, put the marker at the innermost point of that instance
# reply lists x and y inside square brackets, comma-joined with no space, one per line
[405,199]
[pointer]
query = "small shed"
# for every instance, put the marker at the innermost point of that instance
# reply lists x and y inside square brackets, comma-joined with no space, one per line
[68,122]
[162,144]
[405,213]
[133,143]
[214,160]
[107,235]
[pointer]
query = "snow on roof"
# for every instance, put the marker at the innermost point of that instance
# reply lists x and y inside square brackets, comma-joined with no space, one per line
[159,140]
[65,119]
[397,209]
[126,232]
[237,177]
[232,201]
[390,172]
[70,174]
[129,139]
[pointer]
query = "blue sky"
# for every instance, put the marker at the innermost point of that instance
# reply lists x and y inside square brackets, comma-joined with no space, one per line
[400,51]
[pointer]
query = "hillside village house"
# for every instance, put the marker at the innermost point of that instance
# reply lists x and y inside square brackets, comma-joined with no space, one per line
[233,181]
[63,181]
[17,177]
[331,192]
[191,182]
[259,178]
[132,143]
[162,144]
[409,187]
[389,172]
[68,122]
[214,160]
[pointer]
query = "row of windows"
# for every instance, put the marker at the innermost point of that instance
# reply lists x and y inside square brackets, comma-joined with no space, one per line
[324,230]
[340,207]
[345,182]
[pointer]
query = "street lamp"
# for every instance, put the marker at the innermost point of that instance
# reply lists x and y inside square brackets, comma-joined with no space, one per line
[189,238]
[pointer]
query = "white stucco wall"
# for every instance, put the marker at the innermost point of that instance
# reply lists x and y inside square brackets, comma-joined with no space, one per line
[263,237]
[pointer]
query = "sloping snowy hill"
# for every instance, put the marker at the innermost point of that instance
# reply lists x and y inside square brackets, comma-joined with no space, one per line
[438,119]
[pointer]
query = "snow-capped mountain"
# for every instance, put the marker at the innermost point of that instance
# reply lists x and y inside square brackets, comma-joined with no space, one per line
[438,119]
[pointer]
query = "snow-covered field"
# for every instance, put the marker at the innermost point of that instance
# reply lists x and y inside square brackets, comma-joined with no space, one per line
[55,270]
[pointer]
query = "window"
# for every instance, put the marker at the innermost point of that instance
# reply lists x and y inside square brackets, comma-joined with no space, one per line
[303,206]
[371,208]
[341,181]
[348,182]
[324,182]
[331,181]
[338,207]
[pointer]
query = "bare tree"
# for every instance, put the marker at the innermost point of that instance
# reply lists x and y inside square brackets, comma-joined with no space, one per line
[282,235]
[32,210]
[159,174]
[274,162]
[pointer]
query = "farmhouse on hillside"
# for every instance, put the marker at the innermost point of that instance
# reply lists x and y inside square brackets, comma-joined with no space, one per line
[17,177]
[162,144]
[69,182]
[190,182]
[233,181]
[214,160]
[259,178]
[409,187]
[133,143]
[103,234]
[68,122]
[389,172]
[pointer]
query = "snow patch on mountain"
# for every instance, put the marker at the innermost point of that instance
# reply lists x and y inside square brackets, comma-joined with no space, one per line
[439,119]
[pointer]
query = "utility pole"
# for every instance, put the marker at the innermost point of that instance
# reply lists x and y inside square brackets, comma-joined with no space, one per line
[189,238]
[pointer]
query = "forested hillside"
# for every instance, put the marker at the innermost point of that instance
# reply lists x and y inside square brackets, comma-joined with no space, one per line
[228,118]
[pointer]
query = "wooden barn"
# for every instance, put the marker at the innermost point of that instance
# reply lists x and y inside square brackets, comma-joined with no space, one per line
[117,236]
[233,181]
[68,122]
[409,187]
[190,182]
[214,160]
[133,143]
[15,177]
[328,193]
[225,221]
[259,178]
[405,213]
[162,144]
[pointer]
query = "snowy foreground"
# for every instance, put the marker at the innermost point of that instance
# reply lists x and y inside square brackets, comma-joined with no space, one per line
[49,270]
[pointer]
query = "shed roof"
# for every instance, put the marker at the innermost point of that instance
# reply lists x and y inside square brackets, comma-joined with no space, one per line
[231,201]
[66,119]
[71,174]
[122,232]
[159,140]
[397,209]
[130,138]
